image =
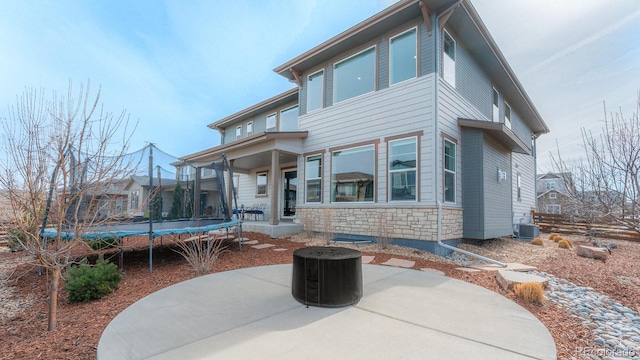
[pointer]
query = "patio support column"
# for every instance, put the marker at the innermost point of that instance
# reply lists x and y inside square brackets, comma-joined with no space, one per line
[230,202]
[275,185]
[196,195]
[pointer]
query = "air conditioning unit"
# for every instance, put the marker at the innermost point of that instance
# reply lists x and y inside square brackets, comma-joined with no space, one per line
[529,231]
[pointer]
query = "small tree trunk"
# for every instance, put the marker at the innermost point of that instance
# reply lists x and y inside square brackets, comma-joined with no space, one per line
[53,300]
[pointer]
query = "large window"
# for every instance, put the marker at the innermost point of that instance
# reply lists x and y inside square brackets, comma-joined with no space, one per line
[403,57]
[496,106]
[449,171]
[354,76]
[313,178]
[261,183]
[449,59]
[507,115]
[289,119]
[271,122]
[352,174]
[403,169]
[315,90]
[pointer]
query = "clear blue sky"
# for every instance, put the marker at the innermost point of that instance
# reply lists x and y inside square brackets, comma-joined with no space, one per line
[177,66]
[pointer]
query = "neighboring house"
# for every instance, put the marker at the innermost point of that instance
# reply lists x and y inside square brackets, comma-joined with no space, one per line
[137,190]
[553,192]
[413,114]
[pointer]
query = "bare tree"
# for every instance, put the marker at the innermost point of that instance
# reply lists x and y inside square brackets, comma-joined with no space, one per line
[63,158]
[605,183]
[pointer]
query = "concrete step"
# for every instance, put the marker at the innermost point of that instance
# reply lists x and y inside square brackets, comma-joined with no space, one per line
[509,278]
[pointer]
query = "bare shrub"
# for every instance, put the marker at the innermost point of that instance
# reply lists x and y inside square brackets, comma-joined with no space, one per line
[200,253]
[308,223]
[382,232]
[531,292]
[327,225]
[555,237]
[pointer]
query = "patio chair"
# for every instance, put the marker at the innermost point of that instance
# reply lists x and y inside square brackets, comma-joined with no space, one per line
[259,211]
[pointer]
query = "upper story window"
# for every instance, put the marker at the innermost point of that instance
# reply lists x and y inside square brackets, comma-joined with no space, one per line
[352,174]
[250,128]
[238,131]
[551,185]
[313,177]
[289,119]
[496,106]
[355,75]
[315,90]
[403,56]
[553,195]
[449,59]
[507,115]
[271,122]
[449,167]
[402,169]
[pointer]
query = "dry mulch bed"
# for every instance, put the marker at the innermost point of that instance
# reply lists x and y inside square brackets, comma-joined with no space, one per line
[23,297]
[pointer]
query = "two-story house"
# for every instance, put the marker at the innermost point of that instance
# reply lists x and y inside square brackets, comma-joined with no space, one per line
[413,114]
[553,191]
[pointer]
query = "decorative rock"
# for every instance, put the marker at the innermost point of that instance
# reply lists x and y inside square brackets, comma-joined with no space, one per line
[592,252]
[508,279]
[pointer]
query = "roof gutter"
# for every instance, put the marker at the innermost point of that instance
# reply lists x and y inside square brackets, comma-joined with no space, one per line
[436,135]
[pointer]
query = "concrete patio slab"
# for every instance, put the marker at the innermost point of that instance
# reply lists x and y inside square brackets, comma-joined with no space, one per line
[251,314]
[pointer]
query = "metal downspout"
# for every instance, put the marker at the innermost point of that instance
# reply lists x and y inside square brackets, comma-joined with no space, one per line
[436,142]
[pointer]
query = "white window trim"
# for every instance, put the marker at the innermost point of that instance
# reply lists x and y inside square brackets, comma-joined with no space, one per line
[289,108]
[415,28]
[266,186]
[250,128]
[455,54]
[238,132]
[553,195]
[266,122]
[322,91]
[306,159]
[389,171]
[375,73]
[495,107]
[507,120]
[455,172]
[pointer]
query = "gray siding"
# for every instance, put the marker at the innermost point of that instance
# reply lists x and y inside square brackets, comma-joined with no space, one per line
[383,64]
[427,50]
[497,194]
[472,183]
[401,109]
[328,86]
[520,129]
[525,165]
[487,201]
[472,83]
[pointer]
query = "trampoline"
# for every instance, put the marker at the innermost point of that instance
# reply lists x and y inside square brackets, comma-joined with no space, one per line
[162,228]
[177,227]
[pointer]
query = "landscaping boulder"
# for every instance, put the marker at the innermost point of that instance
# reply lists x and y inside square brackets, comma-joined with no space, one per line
[508,279]
[592,252]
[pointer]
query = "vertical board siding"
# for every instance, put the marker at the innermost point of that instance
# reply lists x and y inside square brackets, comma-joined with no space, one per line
[472,183]
[497,194]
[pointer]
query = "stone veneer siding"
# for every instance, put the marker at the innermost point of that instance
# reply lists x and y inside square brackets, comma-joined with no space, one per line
[413,223]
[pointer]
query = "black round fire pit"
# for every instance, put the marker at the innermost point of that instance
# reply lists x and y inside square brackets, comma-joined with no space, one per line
[327,276]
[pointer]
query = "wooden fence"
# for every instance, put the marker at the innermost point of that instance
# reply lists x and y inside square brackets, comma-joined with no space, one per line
[558,223]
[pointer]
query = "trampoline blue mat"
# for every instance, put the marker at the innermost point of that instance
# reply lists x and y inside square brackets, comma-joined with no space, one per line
[137,229]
